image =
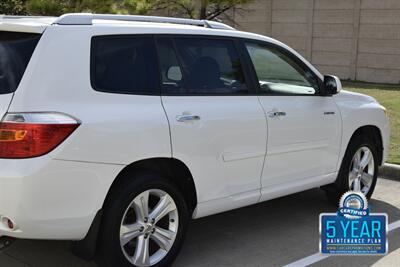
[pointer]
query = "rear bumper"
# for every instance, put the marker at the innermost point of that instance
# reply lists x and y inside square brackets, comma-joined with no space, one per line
[52,199]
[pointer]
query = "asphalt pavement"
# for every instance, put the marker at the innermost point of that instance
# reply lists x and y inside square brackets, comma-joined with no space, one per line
[274,233]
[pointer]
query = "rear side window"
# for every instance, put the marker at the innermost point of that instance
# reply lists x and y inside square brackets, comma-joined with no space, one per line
[124,64]
[201,66]
[16,50]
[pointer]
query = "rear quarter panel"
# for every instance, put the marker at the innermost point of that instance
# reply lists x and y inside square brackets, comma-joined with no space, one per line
[115,128]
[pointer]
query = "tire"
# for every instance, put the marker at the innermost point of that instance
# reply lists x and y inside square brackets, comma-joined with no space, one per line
[131,193]
[358,143]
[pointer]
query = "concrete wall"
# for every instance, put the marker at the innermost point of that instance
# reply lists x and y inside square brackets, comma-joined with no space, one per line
[354,39]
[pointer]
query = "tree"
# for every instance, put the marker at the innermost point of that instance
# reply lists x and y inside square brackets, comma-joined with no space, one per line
[211,9]
[58,7]
[201,9]
[12,7]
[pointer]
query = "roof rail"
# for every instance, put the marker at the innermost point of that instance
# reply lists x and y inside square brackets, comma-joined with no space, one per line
[11,17]
[87,19]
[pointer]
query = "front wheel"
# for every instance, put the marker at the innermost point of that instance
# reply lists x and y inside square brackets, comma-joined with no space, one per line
[362,171]
[359,169]
[144,223]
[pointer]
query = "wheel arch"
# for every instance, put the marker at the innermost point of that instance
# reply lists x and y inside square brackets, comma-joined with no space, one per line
[170,168]
[375,133]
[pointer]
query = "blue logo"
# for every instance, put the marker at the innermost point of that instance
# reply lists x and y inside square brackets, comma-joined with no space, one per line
[353,230]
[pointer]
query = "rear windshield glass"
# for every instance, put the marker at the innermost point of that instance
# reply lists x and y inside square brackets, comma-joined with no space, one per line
[16,50]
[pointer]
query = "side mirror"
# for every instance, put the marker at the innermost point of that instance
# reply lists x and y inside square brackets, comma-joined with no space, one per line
[174,74]
[332,84]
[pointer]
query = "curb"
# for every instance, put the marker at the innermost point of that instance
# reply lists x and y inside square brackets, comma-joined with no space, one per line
[390,171]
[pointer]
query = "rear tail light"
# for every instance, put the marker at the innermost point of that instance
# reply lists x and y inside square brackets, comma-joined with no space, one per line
[27,135]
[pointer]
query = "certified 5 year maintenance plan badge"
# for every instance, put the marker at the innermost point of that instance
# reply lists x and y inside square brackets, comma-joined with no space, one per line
[353,230]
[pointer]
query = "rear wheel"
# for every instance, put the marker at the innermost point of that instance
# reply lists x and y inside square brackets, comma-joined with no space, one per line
[359,169]
[144,223]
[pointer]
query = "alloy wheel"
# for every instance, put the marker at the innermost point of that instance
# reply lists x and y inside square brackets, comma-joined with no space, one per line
[362,170]
[149,227]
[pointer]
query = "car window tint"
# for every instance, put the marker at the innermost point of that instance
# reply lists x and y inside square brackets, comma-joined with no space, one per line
[280,74]
[210,66]
[124,64]
[171,73]
[16,49]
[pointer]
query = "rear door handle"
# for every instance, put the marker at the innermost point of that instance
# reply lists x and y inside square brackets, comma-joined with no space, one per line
[187,118]
[274,114]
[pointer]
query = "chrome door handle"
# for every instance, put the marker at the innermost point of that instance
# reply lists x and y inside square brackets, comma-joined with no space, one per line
[274,114]
[186,118]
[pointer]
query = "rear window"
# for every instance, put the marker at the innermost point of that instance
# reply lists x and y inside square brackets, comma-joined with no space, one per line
[124,64]
[16,50]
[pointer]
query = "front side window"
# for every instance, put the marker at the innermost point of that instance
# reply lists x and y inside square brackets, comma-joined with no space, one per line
[16,49]
[124,64]
[201,66]
[278,73]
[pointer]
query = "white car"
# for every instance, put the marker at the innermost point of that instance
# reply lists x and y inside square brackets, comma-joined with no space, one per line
[117,130]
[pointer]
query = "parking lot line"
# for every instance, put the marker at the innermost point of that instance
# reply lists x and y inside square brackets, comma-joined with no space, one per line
[394,225]
[308,260]
[319,257]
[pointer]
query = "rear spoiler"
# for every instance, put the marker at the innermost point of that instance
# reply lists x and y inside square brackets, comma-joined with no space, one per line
[25,23]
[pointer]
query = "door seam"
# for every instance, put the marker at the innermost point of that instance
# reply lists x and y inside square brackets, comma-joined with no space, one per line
[266,147]
[169,126]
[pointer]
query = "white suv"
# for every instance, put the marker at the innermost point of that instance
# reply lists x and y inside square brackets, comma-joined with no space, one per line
[117,130]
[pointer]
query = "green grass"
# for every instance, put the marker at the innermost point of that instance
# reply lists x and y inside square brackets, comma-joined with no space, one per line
[389,97]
